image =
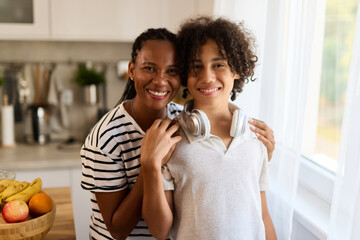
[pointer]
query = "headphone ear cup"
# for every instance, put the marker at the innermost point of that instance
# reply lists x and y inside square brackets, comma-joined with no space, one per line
[204,123]
[238,123]
[198,123]
[234,129]
[193,124]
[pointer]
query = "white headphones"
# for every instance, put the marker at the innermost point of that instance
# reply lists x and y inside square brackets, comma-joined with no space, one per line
[198,124]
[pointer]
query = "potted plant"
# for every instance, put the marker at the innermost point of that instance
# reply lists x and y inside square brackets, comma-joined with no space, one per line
[89,79]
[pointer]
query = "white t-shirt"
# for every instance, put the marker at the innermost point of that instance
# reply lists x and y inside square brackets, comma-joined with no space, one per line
[111,162]
[217,189]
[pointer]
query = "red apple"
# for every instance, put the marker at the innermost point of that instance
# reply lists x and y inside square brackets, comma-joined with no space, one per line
[15,211]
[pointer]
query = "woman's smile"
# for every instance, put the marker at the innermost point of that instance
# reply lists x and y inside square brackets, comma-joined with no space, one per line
[158,94]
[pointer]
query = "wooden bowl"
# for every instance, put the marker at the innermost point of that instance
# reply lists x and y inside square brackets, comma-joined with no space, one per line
[30,229]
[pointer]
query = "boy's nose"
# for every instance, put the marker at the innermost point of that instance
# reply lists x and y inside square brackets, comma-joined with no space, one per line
[207,75]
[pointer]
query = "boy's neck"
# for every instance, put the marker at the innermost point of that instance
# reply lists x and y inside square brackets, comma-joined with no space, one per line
[215,112]
[220,118]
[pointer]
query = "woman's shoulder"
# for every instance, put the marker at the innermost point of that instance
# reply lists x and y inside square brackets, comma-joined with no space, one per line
[174,109]
[114,121]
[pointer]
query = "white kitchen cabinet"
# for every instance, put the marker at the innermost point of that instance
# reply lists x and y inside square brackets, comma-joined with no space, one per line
[115,20]
[50,178]
[38,29]
[102,20]
[95,20]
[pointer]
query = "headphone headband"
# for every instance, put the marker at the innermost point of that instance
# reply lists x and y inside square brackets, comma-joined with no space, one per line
[199,125]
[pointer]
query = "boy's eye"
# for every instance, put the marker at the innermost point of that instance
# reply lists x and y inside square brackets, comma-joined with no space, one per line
[197,66]
[219,65]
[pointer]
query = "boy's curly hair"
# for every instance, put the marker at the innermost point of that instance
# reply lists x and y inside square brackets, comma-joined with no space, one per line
[235,43]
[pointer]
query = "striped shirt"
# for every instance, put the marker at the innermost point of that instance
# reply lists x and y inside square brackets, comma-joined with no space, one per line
[111,162]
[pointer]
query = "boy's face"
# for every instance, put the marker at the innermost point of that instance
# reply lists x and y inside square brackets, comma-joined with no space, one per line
[210,79]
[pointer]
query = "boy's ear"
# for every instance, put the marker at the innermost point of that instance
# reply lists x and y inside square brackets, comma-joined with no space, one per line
[236,76]
[131,67]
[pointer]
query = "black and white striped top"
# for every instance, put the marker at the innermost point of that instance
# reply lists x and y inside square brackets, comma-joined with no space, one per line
[111,162]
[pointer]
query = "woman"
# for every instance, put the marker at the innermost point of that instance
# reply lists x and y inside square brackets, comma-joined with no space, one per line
[111,152]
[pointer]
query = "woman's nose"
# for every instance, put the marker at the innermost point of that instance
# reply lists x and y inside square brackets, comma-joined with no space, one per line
[160,78]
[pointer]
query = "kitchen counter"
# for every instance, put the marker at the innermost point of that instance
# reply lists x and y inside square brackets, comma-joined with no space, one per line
[63,227]
[49,156]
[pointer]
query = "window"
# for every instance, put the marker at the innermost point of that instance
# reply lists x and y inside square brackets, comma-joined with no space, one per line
[326,98]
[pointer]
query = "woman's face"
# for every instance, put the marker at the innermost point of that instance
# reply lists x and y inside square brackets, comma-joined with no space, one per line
[155,74]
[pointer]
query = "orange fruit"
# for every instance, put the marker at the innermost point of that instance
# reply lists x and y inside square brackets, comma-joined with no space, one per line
[40,204]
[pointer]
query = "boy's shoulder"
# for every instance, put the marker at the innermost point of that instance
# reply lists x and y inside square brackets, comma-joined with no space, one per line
[174,109]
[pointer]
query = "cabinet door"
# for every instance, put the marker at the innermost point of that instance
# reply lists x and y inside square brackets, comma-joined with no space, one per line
[50,178]
[104,20]
[81,205]
[36,28]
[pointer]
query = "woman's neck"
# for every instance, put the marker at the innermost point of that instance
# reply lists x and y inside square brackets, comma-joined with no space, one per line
[143,115]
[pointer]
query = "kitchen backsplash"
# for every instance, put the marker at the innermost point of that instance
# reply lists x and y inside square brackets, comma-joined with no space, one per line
[66,56]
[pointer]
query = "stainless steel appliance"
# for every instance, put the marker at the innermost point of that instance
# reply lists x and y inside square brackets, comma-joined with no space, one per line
[37,128]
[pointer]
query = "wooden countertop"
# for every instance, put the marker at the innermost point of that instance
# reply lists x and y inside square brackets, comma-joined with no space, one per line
[63,227]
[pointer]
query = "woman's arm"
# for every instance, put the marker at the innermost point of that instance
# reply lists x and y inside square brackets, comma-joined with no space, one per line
[269,226]
[157,206]
[264,134]
[121,210]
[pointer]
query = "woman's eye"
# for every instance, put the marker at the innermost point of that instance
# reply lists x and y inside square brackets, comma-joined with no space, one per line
[197,66]
[149,68]
[173,71]
[219,65]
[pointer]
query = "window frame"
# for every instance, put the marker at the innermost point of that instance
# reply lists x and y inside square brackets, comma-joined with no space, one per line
[313,198]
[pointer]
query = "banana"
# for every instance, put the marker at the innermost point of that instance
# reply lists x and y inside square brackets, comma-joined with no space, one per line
[5,183]
[13,189]
[28,192]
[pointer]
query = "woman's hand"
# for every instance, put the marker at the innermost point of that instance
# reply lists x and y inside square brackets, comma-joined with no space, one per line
[264,134]
[159,142]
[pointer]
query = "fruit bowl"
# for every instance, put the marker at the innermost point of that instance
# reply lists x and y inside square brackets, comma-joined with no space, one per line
[30,229]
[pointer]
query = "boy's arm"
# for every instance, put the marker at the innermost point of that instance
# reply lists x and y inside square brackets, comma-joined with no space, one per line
[157,204]
[269,226]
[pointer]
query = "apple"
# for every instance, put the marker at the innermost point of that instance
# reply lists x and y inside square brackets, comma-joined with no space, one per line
[15,211]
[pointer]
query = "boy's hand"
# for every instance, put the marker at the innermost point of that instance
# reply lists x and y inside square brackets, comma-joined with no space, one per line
[264,134]
[159,142]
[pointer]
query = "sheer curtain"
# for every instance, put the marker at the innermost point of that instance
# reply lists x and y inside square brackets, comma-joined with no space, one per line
[345,208]
[292,44]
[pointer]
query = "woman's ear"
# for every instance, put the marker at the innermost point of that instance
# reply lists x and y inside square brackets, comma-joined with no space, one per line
[131,68]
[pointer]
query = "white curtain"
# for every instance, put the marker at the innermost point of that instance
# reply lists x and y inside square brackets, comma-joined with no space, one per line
[291,51]
[345,208]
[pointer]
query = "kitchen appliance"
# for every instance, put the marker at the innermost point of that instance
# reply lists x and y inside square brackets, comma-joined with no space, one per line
[37,127]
